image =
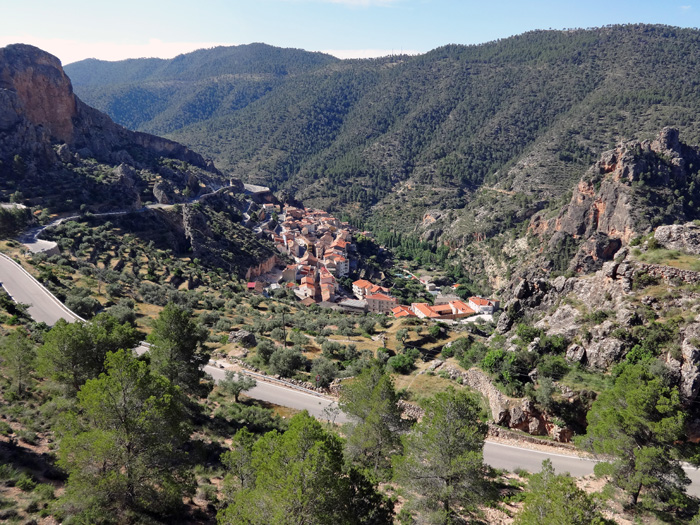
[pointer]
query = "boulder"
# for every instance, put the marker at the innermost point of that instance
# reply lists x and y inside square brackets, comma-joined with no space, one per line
[536,427]
[562,435]
[163,192]
[683,237]
[511,310]
[575,353]
[522,290]
[627,317]
[603,353]
[517,417]
[689,384]
[534,345]
[562,322]
[594,252]
[243,338]
[64,153]
[559,284]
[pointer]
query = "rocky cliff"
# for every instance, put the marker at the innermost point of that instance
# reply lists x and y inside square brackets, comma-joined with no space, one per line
[633,188]
[50,138]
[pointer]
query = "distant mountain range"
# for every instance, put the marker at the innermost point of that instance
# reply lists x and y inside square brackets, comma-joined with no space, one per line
[527,114]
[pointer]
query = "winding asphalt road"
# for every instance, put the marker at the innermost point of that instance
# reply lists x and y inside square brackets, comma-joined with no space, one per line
[23,288]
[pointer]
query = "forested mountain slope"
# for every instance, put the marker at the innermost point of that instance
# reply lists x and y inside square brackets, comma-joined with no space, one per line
[529,113]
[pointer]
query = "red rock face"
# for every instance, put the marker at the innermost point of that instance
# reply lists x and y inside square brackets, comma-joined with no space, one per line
[44,90]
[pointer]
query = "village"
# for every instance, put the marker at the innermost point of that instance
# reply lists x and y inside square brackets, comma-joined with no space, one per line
[323,252]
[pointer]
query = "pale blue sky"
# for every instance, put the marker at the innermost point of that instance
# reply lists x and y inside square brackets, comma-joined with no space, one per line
[77,29]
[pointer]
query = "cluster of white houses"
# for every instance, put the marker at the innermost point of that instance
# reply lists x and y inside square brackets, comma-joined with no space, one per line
[377,299]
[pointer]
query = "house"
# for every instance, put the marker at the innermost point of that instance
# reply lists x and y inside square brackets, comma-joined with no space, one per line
[289,274]
[326,278]
[327,292]
[446,298]
[326,239]
[451,310]
[355,306]
[380,303]
[341,245]
[307,288]
[337,264]
[402,311]
[360,287]
[483,305]
[424,311]
[295,213]
[293,248]
[309,259]
[255,287]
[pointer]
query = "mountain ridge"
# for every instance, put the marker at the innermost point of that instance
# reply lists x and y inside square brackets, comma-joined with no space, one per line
[528,114]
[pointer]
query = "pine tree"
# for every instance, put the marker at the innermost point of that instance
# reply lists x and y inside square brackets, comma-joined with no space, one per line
[177,350]
[122,446]
[443,462]
[637,422]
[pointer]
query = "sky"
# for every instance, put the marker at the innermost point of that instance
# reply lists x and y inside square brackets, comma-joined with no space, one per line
[77,29]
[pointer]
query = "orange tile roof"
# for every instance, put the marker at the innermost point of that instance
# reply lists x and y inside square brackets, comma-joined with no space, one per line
[381,297]
[462,308]
[402,311]
[362,283]
[425,309]
[480,301]
[442,309]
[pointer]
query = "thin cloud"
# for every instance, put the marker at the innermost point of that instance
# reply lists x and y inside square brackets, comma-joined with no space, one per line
[73,50]
[368,53]
[686,7]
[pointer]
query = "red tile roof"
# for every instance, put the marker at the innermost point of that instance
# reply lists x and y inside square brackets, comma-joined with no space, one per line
[362,283]
[402,311]
[462,308]
[381,297]
[442,309]
[425,309]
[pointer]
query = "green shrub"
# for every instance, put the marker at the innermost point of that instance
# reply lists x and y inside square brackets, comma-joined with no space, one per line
[44,491]
[8,474]
[25,483]
[208,492]
[5,429]
[554,366]
[644,280]
[28,437]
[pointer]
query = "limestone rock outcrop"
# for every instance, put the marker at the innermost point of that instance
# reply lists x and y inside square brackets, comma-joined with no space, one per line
[604,212]
[683,237]
[52,132]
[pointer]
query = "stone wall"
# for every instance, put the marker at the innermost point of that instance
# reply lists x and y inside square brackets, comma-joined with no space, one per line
[291,382]
[667,273]
[519,414]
